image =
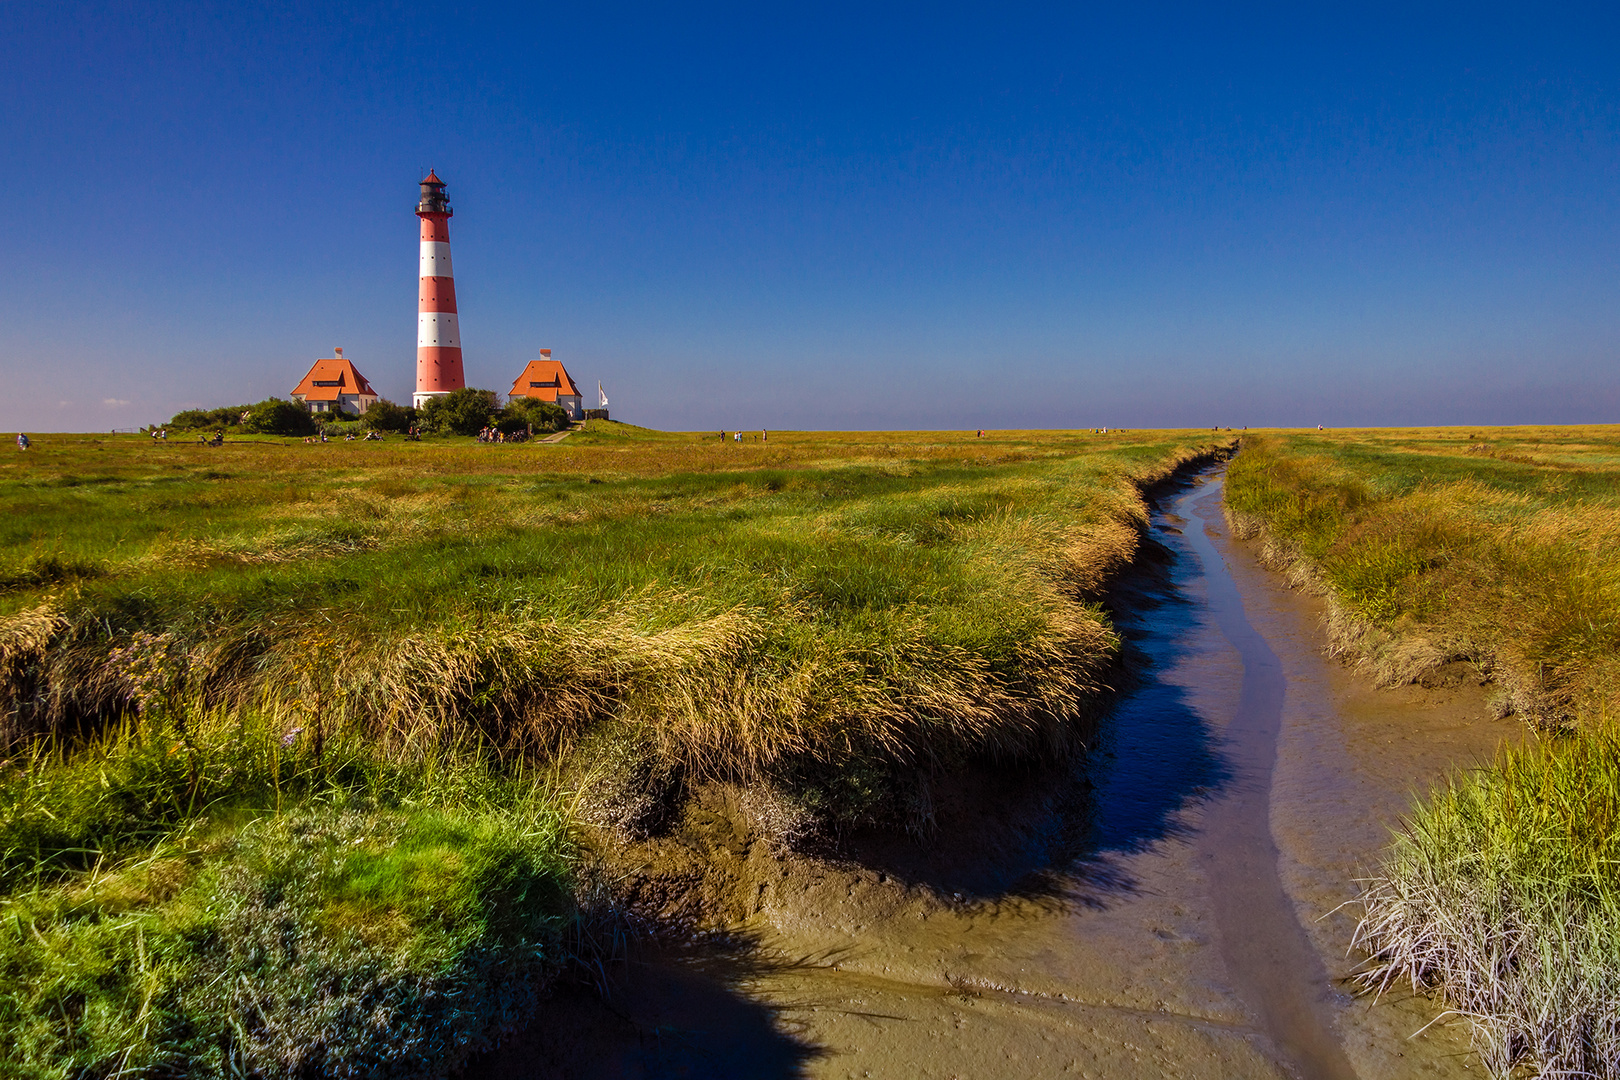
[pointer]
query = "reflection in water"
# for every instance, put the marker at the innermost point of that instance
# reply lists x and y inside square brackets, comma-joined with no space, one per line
[1278,973]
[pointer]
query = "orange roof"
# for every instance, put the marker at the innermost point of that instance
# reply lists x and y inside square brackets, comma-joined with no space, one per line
[330,378]
[546,379]
[432,178]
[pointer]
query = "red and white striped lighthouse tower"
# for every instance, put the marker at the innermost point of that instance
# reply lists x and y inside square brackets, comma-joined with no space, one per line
[438,338]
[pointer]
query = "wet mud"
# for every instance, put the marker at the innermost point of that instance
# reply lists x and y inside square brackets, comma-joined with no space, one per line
[1177,905]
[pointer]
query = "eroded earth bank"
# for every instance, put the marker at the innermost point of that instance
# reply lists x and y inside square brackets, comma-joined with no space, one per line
[1178,905]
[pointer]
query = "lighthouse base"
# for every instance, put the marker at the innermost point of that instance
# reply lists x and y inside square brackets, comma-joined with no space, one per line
[422,397]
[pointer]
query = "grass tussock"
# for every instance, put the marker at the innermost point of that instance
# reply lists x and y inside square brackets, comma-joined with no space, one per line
[1503,895]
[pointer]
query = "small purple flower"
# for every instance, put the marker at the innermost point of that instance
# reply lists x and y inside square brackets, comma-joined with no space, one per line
[291,736]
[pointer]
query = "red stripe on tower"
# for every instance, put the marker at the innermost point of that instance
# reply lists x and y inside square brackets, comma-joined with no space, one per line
[438,336]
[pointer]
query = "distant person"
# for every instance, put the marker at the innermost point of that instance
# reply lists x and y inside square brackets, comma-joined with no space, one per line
[722,436]
[22,441]
[737,437]
[764,435]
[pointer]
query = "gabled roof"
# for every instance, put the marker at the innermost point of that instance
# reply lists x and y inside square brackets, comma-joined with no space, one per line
[341,377]
[553,378]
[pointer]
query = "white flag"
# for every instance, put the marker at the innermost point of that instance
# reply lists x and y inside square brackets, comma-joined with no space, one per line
[601,394]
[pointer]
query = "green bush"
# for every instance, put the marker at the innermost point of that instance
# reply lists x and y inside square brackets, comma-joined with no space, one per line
[197,419]
[521,412]
[274,416]
[462,412]
[384,415]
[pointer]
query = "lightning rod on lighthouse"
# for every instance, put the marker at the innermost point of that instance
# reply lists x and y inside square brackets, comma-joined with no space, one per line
[438,337]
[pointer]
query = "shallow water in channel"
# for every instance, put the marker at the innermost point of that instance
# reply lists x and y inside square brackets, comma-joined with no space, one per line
[1173,907]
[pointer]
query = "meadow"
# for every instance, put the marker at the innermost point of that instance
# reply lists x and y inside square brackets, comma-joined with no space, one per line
[297,734]
[1492,548]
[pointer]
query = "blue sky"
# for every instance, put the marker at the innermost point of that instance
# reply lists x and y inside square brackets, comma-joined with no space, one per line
[832,217]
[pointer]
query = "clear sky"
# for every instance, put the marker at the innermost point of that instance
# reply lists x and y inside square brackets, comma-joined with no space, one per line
[832,217]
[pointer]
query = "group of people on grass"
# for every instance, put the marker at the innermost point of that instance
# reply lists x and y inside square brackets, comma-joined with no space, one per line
[348,436]
[737,436]
[496,435]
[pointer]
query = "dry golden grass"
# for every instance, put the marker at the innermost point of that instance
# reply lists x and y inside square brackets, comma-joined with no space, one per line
[1493,546]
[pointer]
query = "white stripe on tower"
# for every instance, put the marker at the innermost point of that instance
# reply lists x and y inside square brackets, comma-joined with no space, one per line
[438,335]
[435,259]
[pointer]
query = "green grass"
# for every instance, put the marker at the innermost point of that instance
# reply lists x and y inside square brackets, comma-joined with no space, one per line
[747,610]
[218,899]
[290,726]
[1494,546]
[1502,893]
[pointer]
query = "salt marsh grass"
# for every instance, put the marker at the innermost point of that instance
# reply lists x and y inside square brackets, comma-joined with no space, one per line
[774,608]
[296,735]
[1493,547]
[1503,895]
[217,898]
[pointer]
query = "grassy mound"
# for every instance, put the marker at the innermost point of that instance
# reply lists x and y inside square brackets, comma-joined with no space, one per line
[804,609]
[1503,894]
[161,917]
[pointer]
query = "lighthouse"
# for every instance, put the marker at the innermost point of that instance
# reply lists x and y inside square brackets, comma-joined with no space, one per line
[438,338]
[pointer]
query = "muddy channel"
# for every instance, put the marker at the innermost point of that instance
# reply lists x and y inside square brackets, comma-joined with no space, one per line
[1178,906]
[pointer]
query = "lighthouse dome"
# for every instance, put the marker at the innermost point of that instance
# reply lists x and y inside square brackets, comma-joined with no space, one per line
[433,200]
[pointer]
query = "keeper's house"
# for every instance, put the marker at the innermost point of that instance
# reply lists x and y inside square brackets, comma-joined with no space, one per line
[335,385]
[548,380]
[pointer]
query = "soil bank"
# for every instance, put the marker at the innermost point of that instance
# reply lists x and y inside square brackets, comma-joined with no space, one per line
[1175,906]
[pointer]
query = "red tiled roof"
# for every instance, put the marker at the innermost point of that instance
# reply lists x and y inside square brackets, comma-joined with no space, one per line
[553,379]
[432,178]
[341,375]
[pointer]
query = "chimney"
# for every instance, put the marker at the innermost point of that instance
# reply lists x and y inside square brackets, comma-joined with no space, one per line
[545,352]
[339,351]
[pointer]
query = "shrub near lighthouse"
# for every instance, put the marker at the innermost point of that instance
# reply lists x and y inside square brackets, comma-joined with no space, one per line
[438,336]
